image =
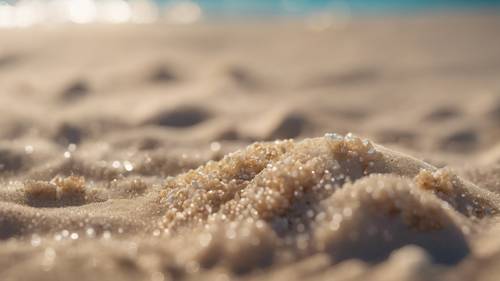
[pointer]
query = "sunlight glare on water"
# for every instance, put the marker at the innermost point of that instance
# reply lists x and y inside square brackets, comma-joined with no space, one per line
[82,11]
[114,11]
[27,13]
[6,15]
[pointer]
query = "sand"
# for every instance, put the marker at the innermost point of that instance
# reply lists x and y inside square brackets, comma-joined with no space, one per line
[368,150]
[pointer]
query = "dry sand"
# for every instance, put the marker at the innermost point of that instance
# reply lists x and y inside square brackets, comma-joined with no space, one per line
[124,151]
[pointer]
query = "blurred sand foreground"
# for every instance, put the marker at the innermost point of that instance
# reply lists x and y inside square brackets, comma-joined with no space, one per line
[99,123]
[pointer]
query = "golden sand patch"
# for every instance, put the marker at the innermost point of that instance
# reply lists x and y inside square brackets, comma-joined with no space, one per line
[59,191]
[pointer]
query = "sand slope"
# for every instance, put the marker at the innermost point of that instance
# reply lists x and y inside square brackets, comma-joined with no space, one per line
[126,151]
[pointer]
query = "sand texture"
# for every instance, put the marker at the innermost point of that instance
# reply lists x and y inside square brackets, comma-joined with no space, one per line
[224,151]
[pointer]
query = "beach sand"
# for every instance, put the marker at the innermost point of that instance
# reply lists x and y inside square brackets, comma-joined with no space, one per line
[160,152]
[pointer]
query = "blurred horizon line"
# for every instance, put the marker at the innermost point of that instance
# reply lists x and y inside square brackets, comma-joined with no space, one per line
[25,13]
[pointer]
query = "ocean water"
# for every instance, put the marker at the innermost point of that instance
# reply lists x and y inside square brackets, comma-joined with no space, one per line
[303,7]
[24,13]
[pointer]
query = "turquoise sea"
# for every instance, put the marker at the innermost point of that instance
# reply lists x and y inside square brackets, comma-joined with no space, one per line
[300,7]
[24,13]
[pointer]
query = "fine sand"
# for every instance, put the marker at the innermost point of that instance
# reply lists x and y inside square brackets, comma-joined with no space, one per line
[159,152]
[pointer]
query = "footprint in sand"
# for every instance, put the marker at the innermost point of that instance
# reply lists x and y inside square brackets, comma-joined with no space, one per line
[10,225]
[396,136]
[350,114]
[229,134]
[68,133]
[7,60]
[442,114]
[75,91]
[10,160]
[461,141]
[242,76]
[182,117]
[291,126]
[163,74]
[347,78]
[494,112]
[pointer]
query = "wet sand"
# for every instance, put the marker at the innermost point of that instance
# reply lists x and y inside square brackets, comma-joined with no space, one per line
[160,152]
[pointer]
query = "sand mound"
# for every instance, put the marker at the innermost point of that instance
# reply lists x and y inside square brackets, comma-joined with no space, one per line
[269,179]
[273,203]
[309,192]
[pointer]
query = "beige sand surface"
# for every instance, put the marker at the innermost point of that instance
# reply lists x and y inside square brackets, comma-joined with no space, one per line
[100,127]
